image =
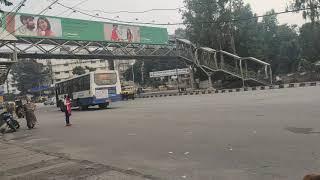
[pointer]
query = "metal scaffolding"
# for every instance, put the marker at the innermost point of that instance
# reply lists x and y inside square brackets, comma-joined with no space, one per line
[207,59]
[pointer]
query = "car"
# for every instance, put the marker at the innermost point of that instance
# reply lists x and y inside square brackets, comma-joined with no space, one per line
[49,102]
[128,92]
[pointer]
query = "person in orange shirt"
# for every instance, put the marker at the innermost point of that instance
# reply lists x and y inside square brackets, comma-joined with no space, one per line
[115,34]
[67,110]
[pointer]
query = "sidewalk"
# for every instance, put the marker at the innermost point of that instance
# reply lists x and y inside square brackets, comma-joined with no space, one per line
[24,163]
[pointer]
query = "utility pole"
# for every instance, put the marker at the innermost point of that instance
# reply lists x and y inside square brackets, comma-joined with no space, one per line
[142,72]
[230,34]
[8,90]
[178,82]
[132,73]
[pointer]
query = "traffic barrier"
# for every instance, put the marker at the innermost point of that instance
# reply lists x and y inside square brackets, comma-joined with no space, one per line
[313,84]
[281,86]
[302,84]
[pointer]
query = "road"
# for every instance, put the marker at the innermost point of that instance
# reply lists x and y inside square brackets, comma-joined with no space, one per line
[261,135]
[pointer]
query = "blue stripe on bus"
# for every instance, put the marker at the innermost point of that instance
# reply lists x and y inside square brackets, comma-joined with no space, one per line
[92,101]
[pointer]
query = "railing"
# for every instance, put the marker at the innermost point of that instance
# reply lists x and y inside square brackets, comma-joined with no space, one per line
[207,59]
[234,70]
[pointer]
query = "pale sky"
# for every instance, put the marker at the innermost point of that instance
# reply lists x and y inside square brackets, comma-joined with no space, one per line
[258,6]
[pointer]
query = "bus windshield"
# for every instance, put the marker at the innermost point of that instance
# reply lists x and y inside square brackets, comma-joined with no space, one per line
[105,79]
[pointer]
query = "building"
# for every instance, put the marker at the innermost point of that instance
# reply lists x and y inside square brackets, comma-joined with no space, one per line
[61,69]
[10,86]
[122,66]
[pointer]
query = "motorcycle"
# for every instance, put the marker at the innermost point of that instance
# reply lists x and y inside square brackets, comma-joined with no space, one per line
[7,119]
[19,109]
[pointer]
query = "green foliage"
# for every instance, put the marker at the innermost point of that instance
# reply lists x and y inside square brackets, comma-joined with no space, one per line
[312,6]
[6,3]
[180,33]
[234,28]
[78,70]
[90,69]
[309,41]
[29,74]
[204,19]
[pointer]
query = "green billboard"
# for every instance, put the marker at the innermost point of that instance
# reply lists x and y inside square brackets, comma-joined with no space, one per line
[28,25]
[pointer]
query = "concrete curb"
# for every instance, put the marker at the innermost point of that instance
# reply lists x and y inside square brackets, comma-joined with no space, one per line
[257,88]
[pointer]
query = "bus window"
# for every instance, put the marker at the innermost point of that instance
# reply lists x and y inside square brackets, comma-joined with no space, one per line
[105,79]
[86,82]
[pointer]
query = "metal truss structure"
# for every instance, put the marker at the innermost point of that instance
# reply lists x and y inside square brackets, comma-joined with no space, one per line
[45,48]
[207,59]
[250,70]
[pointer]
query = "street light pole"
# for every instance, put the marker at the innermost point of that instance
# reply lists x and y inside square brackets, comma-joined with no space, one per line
[132,73]
[178,82]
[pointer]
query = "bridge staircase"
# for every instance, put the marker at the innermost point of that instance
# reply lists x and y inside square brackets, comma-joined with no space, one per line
[248,70]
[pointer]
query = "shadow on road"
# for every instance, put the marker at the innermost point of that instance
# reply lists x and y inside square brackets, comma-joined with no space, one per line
[95,109]
[297,130]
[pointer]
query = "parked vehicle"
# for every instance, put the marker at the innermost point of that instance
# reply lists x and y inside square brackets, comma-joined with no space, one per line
[7,120]
[19,109]
[49,102]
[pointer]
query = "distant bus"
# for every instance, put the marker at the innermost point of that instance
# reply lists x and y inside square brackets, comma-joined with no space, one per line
[91,89]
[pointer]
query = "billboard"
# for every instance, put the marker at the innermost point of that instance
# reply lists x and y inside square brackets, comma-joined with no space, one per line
[172,72]
[123,33]
[28,25]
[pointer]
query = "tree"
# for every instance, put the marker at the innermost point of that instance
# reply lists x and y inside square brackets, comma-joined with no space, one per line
[90,69]
[232,26]
[205,22]
[180,33]
[29,74]
[312,11]
[78,70]
[6,3]
[309,41]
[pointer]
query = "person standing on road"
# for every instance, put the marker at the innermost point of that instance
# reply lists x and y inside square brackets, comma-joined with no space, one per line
[31,118]
[67,105]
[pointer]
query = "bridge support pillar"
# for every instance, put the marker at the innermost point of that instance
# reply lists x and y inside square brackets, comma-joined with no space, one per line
[111,64]
[192,81]
[210,80]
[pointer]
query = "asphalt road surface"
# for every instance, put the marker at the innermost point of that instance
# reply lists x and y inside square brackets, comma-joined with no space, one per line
[261,135]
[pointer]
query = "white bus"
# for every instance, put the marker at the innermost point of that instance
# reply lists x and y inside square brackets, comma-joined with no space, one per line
[91,89]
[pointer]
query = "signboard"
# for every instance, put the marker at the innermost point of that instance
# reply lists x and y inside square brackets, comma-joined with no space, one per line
[28,25]
[172,72]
